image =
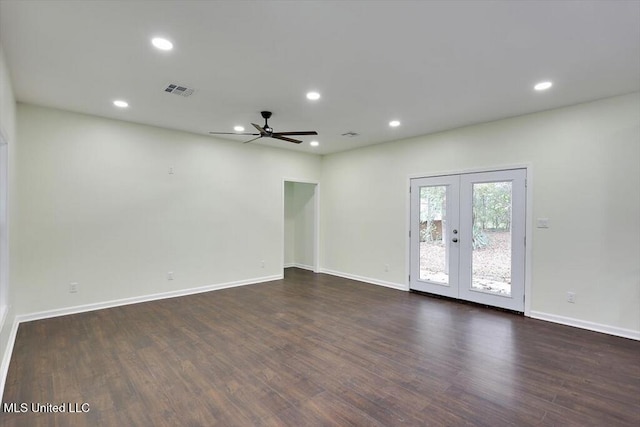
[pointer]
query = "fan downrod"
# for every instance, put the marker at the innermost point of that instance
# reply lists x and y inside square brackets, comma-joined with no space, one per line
[266,128]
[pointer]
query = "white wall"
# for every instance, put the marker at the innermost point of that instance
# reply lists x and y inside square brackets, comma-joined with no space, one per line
[300,212]
[289,225]
[585,163]
[8,130]
[7,101]
[97,206]
[304,223]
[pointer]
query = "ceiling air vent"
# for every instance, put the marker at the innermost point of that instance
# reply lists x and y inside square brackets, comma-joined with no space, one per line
[179,90]
[350,134]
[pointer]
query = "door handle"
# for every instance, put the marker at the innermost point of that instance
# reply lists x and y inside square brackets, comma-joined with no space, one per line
[454,240]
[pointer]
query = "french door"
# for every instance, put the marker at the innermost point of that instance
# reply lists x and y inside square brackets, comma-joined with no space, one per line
[468,237]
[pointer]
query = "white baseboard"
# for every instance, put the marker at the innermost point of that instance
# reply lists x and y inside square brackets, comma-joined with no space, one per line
[302,266]
[386,284]
[6,358]
[290,264]
[583,324]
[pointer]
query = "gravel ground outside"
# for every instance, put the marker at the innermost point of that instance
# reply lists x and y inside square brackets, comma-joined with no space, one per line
[491,264]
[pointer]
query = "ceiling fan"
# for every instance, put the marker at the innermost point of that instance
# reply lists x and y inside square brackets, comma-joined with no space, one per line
[267,131]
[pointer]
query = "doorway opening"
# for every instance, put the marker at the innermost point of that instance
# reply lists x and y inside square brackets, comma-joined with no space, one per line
[301,228]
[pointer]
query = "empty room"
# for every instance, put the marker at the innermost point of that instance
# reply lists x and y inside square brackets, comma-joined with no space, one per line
[319,213]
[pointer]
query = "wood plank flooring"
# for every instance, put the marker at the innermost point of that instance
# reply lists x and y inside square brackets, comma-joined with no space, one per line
[316,350]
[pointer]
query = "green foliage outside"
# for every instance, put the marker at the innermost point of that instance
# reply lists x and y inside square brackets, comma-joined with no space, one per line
[491,210]
[432,208]
[432,203]
[492,206]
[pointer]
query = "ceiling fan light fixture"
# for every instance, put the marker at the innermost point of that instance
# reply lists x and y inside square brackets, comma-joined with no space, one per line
[120,103]
[313,96]
[394,123]
[314,143]
[162,44]
[238,128]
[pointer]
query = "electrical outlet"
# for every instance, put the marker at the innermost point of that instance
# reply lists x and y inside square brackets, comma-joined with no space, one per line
[170,275]
[73,287]
[571,297]
[170,170]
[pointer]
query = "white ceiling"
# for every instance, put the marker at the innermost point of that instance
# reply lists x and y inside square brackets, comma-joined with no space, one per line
[433,65]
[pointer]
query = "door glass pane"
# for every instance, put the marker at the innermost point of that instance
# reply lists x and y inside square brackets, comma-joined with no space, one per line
[434,251]
[491,244]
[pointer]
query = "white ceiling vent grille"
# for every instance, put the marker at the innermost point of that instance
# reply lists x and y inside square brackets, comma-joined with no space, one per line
[179,90]
[350,134]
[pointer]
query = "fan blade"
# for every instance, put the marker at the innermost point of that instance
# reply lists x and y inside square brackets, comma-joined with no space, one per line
[277,136]
[251,140]
[304,132]
[262,132]
[232,133]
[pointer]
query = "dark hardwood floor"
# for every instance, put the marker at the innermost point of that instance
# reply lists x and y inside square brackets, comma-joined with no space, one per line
[315,350]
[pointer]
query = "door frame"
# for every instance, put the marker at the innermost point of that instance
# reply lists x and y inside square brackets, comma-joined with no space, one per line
[528,220]
[316,221]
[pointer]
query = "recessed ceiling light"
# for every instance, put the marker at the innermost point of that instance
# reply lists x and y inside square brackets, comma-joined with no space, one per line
[313,96]
[162,44]
[238,128]
[394,123]
[314,143]
[543,86]
[120,103]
